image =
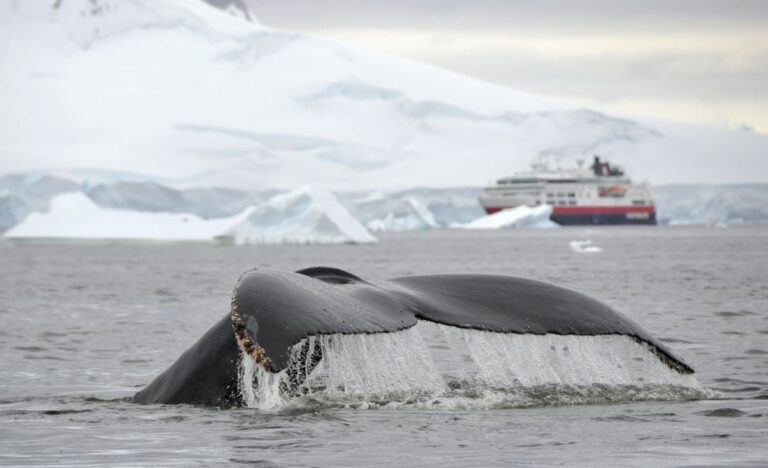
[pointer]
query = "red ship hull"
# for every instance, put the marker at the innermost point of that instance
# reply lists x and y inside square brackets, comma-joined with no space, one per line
[581,215]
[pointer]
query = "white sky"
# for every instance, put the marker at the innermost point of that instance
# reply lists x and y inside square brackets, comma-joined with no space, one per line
[696,60]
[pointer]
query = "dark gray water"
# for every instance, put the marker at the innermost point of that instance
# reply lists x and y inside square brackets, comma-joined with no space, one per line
[85,326]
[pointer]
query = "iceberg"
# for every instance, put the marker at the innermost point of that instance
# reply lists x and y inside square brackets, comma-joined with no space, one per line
[74,217]
[152,196]
[301,216]
[21,194]
[306,215]
[413,209]
[521,216]
[12,209]
[409,215]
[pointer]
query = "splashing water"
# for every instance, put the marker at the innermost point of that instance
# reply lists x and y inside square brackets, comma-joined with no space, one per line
[433,365]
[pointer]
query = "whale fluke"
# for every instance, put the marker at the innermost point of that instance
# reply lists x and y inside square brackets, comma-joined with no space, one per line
[272,311]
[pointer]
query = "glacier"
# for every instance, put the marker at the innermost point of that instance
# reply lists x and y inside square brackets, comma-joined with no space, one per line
[712,204]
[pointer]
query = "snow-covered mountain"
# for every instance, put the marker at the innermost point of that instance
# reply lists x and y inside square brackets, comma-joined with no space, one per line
[194,95]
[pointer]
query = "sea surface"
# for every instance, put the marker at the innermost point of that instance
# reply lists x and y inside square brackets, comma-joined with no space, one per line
[84,327]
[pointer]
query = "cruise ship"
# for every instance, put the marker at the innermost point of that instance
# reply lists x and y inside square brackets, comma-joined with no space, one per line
[601,194]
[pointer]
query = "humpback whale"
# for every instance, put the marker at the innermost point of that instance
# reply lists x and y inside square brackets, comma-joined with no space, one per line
[272,311]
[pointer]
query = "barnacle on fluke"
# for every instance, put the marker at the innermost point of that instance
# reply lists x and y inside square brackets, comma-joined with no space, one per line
[273,310]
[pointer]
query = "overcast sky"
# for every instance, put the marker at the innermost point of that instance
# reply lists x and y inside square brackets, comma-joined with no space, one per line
[703,61]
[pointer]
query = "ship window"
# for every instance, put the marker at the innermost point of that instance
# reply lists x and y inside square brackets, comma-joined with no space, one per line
[571,195]
[550,194]
[571,202]
[638,202]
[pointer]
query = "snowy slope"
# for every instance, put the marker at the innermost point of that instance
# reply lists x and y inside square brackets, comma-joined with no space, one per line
[188,93]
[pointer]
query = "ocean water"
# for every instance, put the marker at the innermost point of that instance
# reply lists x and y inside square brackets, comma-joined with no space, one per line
[84,327]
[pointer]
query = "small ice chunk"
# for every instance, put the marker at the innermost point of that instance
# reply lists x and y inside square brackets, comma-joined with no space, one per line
[584,246]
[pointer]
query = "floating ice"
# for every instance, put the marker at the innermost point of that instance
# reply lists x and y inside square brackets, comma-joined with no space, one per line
[410,215]
[521,216]
[437,365]
[73,216]
[302,216]
[584,246]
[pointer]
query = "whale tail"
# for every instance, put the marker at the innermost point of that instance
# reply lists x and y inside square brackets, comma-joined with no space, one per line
[275,314]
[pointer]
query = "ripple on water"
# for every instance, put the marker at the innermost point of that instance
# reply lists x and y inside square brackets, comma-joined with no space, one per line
[114,432]
[675,340]
[621,418]
[47,358]
[58,412]
[723,413]
[730,313]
